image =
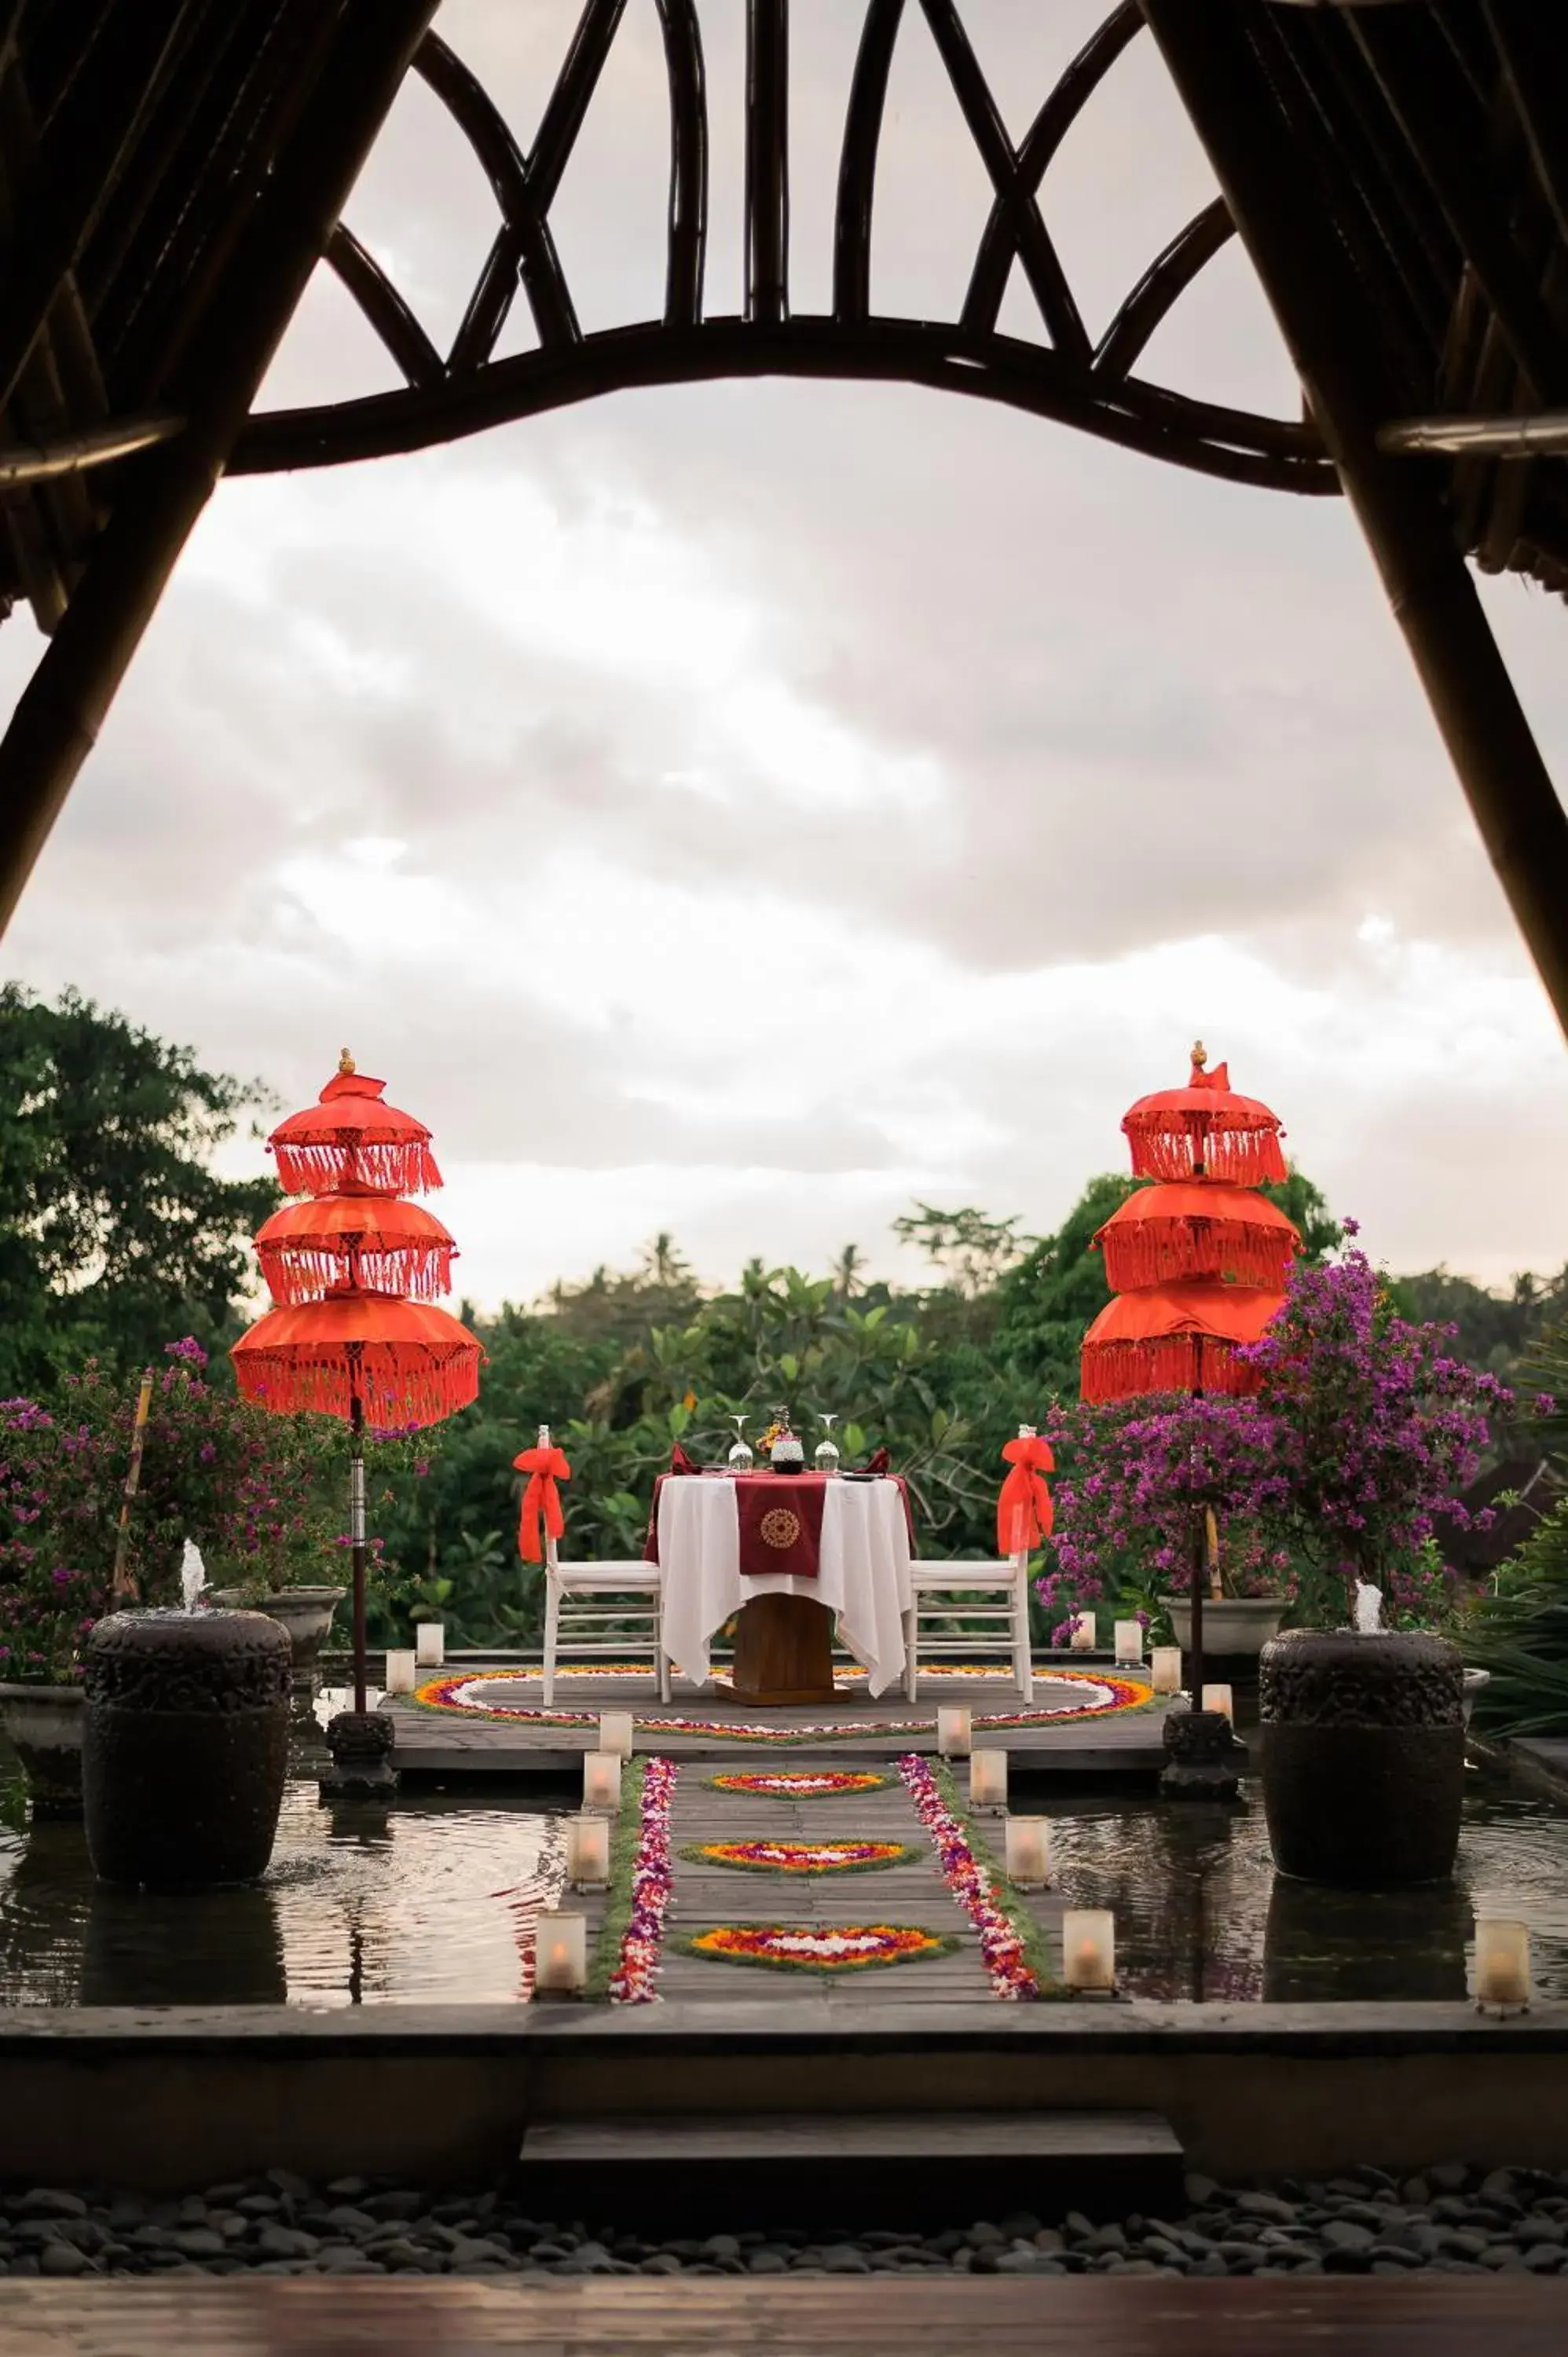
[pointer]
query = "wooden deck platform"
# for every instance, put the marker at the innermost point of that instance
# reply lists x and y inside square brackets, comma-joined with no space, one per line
[1422,2316]
[445,1744]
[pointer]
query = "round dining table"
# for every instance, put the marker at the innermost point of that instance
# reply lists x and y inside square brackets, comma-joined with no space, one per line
[790,1558]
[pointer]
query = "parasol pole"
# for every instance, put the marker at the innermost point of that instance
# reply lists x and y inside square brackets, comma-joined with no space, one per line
[1199,1570]
[121,1587]
[356,1517]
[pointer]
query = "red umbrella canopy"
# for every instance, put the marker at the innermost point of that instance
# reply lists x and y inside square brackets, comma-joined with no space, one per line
[407,1361]
[1197,1228]
[1205,1131]
[349,1139]
[1174,1337]
[359,1238]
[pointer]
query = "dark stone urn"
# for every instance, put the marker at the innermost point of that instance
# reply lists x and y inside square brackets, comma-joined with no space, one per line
[187,1745]
[1363,1756]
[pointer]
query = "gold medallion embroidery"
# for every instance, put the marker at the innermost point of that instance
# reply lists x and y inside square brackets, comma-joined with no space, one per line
[779,1528]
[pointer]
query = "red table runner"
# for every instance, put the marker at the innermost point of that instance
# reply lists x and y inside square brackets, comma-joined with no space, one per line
[780,1517]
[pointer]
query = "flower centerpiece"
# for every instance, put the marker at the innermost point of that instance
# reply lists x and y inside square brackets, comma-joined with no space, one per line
[781,1447]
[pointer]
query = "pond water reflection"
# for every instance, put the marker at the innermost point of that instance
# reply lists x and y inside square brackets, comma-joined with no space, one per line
[1200,1912]
[433,1901]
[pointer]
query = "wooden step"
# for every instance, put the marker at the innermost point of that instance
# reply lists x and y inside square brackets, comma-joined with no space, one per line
[701,2174]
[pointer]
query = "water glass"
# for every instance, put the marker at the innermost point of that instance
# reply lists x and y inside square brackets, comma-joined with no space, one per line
[826,1454]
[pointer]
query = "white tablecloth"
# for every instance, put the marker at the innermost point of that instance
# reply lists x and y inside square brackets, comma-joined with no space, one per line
[863,1573]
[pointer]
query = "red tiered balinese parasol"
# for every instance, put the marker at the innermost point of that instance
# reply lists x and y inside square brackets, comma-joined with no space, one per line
[1199,1260]
[1196,1228]
[344,1340]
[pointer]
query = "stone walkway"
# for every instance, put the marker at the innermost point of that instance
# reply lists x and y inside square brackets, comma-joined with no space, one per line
[912,1893]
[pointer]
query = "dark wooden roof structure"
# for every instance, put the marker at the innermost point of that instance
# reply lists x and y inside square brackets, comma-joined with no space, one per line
[172,171]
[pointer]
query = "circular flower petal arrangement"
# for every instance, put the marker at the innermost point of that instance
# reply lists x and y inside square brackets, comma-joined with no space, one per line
[802,1785]
[631,1982]
[801,1857]
[817,1947]
[484,1693]
[1000,1948]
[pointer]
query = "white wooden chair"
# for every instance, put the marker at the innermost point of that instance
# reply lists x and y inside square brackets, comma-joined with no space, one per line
[590,1607]
[960,1609]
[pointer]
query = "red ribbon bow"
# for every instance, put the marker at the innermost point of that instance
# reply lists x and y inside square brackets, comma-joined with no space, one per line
[544,1468]
[1024,1510]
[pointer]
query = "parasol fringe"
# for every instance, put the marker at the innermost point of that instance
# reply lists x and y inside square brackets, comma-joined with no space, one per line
[1171,1362]
[395,1393]
[402,1166]
[1156,1252]
[1168,1145]
[297,1273]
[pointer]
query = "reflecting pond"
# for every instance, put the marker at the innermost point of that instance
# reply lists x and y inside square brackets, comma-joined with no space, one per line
[434,1900]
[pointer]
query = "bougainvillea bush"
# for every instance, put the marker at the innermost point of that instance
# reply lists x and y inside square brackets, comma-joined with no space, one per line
[1364,1430]
[1139,1477]
[262,1496]
[1380,1428]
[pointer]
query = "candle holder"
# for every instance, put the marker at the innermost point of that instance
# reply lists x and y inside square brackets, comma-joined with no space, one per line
[1028,1853]
[1129,1644]
[1502,1966]
[429,1643]
[988,1782]
[1083,1638]
[616,1733]
[561,1956]
[1165,1669]
[1220,1698]
[953,1723]
[601,1782]
[400,1672]
[1089,1952]
[587,1851]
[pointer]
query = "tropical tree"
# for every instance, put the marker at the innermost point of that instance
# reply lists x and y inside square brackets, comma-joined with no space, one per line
[115,1230]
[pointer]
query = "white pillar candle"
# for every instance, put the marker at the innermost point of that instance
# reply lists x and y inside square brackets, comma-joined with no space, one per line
[615,1732]
[1129,1640]
[1502,1963]
[1028,1852]
[429,1642]
[601,1781]
[1165,1662]
[587,1852]
[1083,1633]
[400,1672]
[561,1956]
[988,1779]
[1219,1698]
[1089,1951]
[952,1730]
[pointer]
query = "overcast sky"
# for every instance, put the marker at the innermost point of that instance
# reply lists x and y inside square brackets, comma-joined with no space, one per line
[742,809]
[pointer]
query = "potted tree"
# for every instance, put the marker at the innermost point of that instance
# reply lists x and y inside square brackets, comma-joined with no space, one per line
[1147,1481]
[1379,1427]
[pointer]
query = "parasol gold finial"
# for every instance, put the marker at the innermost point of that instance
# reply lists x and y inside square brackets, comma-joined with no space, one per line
[1200,1054]
[345,1062]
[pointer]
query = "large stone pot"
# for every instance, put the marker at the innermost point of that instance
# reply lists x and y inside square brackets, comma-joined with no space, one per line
[1363,1756]
[306,1614]
[1232,1624]
[43,1726]
[186,1748]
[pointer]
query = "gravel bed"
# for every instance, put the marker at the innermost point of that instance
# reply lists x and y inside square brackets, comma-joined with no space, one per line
[1457,2220]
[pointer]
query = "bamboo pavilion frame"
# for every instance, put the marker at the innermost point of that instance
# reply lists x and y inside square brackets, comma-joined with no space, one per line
[171,172]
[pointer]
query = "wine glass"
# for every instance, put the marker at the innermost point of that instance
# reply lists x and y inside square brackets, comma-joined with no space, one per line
[826,1454]
[741,1460]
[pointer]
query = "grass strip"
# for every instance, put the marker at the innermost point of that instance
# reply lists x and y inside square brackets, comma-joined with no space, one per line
[625,1843]
[1008,1898]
